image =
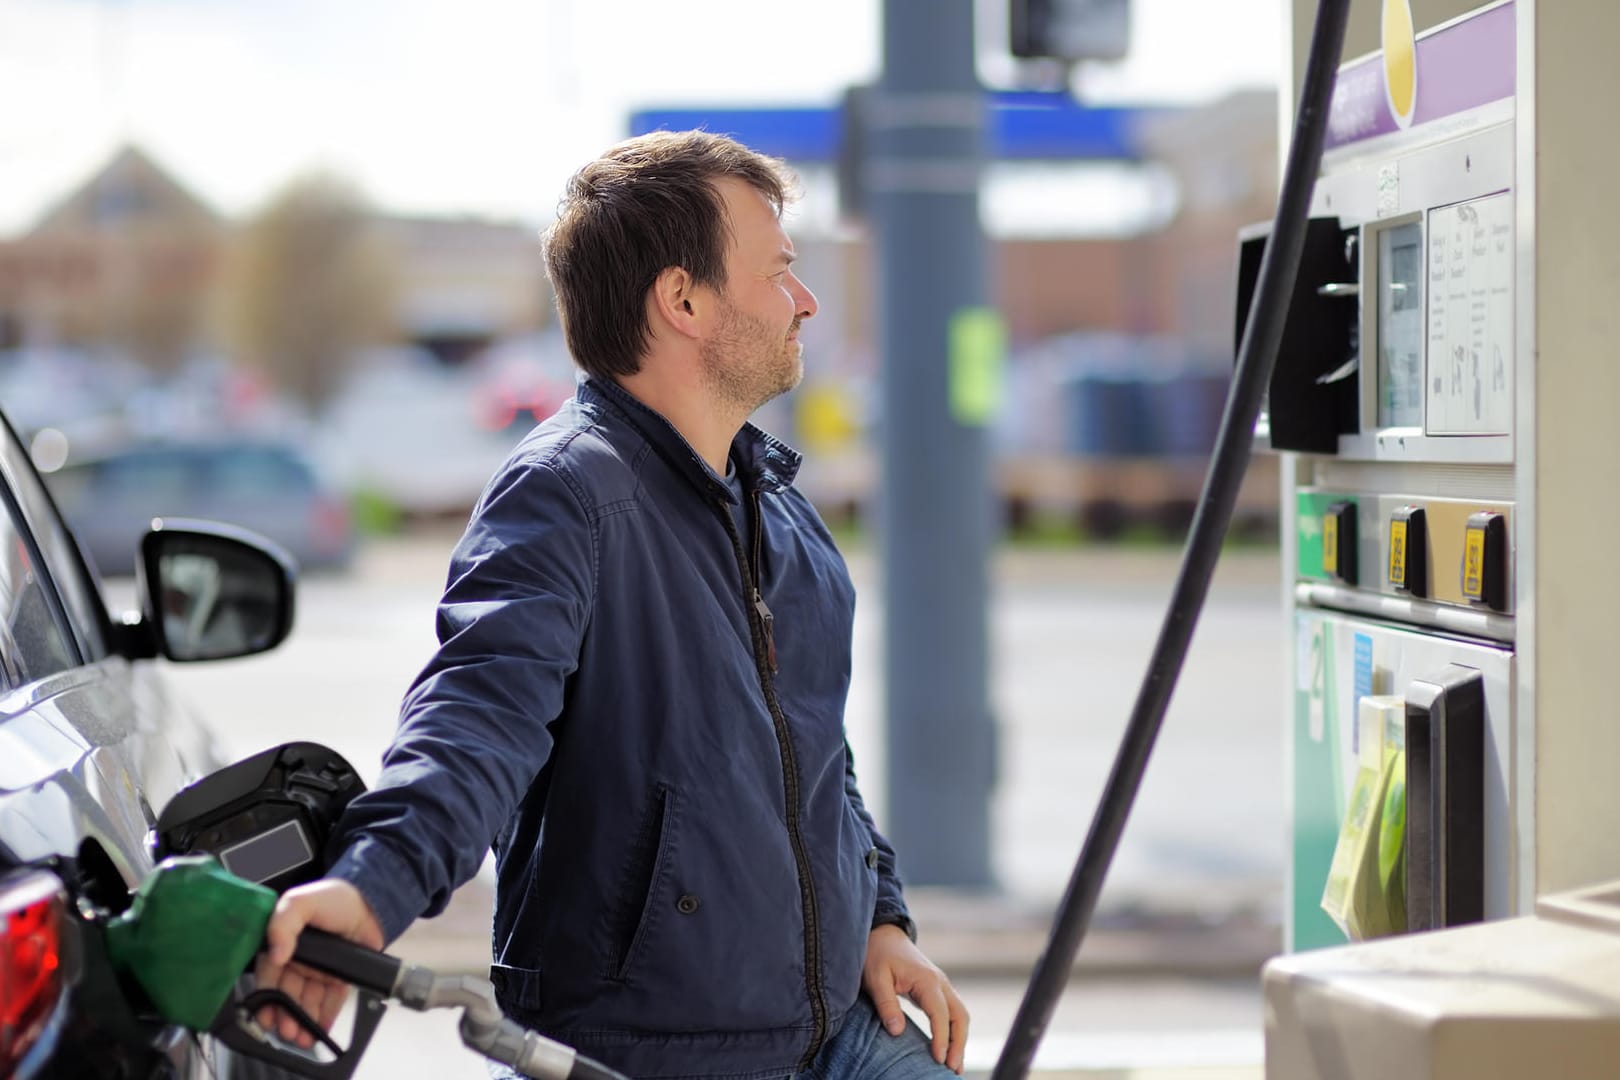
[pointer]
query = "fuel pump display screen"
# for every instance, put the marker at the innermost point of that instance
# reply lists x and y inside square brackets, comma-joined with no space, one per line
[1400,326]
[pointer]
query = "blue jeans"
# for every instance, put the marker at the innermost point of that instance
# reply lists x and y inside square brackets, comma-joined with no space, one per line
[861,1050]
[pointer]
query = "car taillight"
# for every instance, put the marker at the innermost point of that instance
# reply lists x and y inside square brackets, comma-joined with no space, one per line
[32,912]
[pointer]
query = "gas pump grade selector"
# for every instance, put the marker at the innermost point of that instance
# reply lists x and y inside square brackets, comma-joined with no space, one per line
[1339,542]
[1484,569]
[1409,551]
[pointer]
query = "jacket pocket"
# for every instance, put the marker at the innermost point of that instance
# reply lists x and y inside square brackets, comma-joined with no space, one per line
[644,867]
[519,992]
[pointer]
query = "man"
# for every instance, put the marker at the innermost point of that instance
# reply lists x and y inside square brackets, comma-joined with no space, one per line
[638,696]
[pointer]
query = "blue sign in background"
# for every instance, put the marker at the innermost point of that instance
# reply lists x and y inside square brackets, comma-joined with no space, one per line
[1021,126]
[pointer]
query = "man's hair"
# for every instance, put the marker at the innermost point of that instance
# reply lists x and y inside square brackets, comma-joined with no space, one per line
[647,204]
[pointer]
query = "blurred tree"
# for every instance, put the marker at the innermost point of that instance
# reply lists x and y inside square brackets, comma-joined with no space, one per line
[310,282]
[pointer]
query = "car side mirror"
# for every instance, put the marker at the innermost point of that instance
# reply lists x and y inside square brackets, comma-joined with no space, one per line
[209,592]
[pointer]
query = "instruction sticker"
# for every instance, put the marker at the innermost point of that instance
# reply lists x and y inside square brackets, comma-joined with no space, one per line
[1470,301]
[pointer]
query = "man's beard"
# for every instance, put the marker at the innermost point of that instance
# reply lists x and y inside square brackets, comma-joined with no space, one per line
[746,364]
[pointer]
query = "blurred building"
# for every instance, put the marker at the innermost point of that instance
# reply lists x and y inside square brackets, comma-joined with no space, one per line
[1119,320]
[132,257]
[1121,339]
[464,283]
[132,260]
[1224,157]
[1173,278]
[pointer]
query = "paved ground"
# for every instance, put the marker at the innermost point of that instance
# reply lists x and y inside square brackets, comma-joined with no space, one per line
[1166,977]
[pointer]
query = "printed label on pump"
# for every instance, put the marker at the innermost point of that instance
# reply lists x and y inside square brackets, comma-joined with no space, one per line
[1330,543]
[1473,578]
[1397,553]
[1470,332]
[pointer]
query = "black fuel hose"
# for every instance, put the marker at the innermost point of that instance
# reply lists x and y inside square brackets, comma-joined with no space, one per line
[1256,356]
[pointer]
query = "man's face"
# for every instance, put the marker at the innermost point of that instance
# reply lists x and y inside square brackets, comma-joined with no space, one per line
[753,353]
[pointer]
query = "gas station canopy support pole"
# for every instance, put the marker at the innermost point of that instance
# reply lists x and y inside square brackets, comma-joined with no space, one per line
[940,353]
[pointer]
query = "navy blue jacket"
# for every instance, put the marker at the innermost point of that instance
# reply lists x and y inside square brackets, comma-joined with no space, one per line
[687,875]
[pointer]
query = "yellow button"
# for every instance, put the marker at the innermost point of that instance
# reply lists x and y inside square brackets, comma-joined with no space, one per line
[1409,551]
[1397,553]
[1485,560]
[1330,543]
[1473,578]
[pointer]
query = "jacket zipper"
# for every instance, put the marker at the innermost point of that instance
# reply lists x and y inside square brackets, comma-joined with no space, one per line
[766,619]
[761,624]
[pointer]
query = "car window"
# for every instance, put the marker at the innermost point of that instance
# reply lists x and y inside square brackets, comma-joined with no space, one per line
[59,572]
[259,472]
[34,639]
[162,480]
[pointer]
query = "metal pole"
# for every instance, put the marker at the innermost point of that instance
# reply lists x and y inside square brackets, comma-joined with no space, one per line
[926,124]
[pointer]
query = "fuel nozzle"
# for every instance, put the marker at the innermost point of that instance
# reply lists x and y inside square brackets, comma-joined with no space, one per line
[483,1026]
[193,929]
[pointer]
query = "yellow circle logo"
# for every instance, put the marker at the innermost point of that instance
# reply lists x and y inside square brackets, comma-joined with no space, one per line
[1400,61]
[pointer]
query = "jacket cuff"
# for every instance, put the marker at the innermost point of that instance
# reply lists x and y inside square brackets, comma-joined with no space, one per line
[386,881]
[895,915]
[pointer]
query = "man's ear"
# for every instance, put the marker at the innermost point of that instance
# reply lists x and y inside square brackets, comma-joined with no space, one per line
[675,301]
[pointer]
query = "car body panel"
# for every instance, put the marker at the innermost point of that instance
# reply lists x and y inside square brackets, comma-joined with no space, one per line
[89,753]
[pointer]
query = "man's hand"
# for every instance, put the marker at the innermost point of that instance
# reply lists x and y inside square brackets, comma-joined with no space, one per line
[329,904]
[895,966]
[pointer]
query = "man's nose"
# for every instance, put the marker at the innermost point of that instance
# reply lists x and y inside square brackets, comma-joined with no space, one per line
[804,298]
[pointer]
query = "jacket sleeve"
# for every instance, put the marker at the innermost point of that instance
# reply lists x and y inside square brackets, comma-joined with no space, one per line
[474,727]
[891,902]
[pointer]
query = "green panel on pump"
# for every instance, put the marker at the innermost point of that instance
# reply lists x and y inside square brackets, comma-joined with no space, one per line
[1319,794]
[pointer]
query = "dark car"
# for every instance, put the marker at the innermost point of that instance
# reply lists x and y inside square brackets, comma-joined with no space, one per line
[92,745]
[109,498]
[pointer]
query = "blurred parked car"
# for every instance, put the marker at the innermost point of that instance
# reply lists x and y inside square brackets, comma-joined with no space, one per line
[269,487]
[404,429]
[521,381]
[92,746]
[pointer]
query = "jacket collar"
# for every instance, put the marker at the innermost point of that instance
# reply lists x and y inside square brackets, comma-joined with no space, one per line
[767,464]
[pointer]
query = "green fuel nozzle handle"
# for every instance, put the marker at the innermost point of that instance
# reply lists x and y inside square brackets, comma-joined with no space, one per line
[189,935]
[193,928]
[190,931]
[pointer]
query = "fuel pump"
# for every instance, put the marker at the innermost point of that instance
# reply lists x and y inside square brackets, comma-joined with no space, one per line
[1443,404]
[1393,401]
